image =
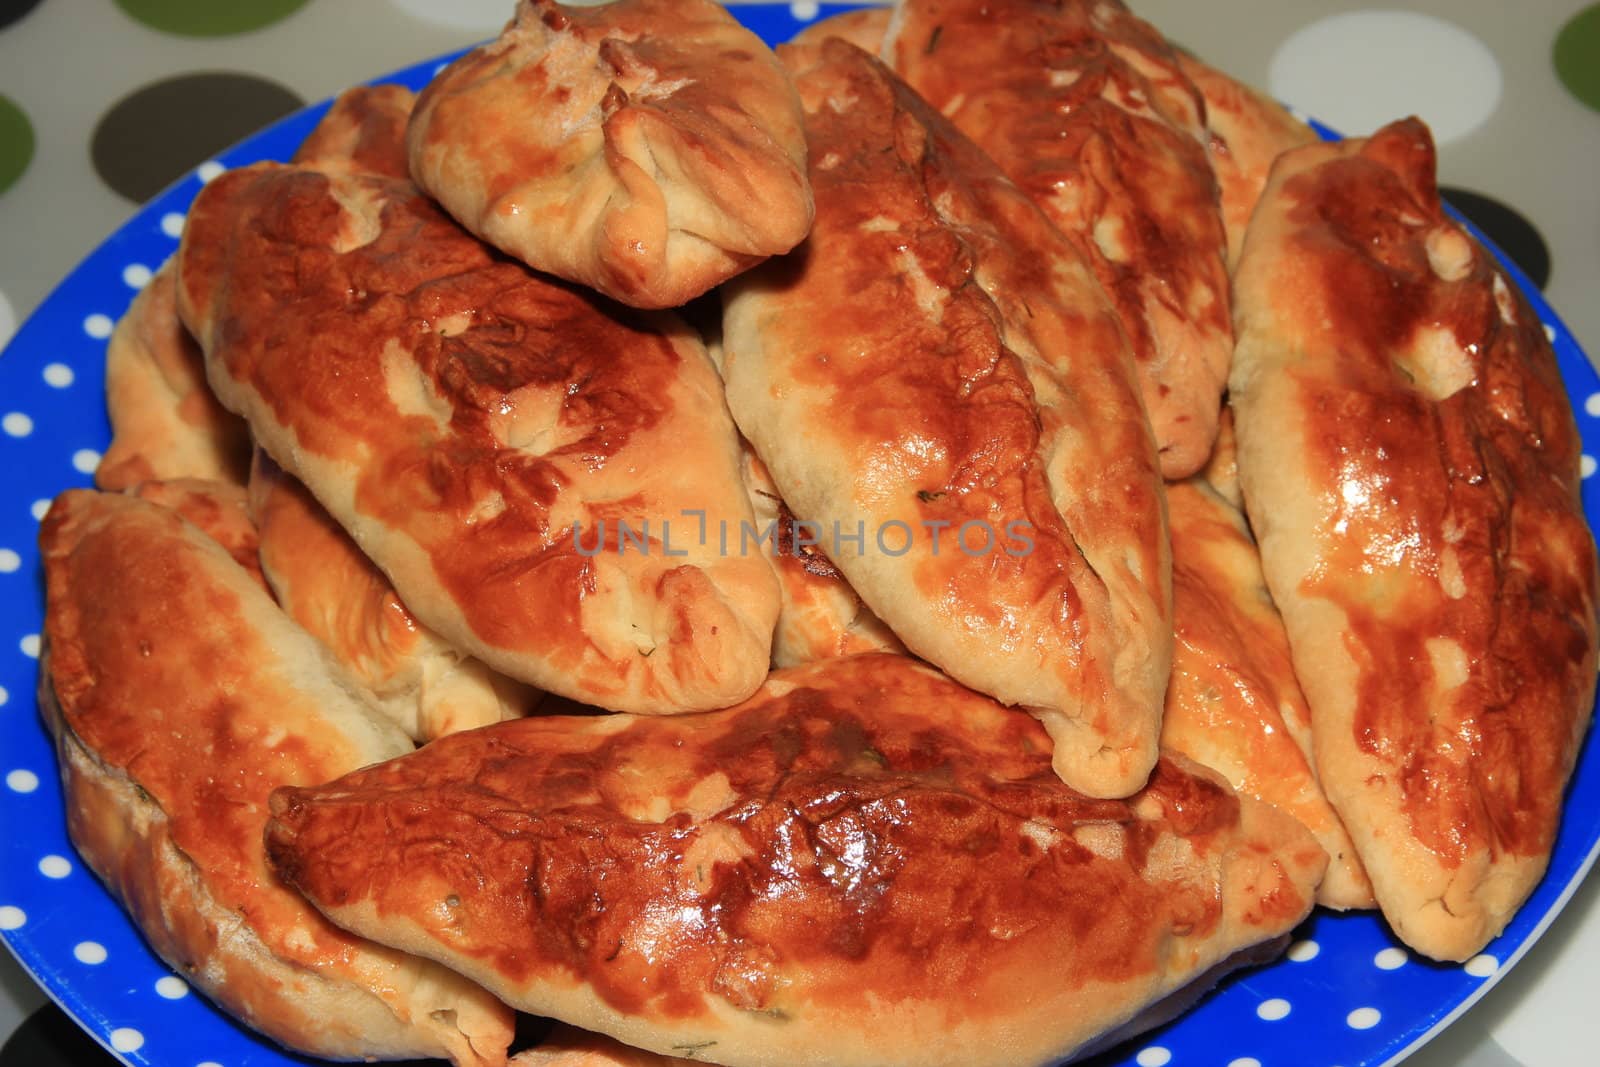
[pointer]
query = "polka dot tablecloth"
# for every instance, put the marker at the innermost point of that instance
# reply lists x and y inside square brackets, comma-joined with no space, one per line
[104,105]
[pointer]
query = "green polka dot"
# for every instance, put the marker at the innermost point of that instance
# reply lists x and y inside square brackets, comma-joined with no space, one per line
[1577,56]
[16,143]
[208,18]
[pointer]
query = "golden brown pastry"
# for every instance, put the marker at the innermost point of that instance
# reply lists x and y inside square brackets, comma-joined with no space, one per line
[365,128]
[967,421]
[1249,131]
[1410,466]
[820,616]
[567,1046]
[648,149]
[180,697]
[1233,703]
[1085,107]
[1221,472]
[220,510]
[164,421]
[863,864]
[865,28]
[324,583]
[484,434]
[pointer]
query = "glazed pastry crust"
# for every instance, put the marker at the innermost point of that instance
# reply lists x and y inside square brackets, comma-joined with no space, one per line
[365,129]
[1085,107]
[1249,131]
[979,387]
[472,425]
[648,149]
[180,697]
[779,882]
[1410,466]
[865,28]
[821,616]
[1234,704]
[164,421]
[324,583]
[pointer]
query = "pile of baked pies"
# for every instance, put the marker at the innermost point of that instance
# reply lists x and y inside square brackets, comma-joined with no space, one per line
[1076,523]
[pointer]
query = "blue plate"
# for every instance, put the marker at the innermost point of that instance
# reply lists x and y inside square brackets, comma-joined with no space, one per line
[1348,993]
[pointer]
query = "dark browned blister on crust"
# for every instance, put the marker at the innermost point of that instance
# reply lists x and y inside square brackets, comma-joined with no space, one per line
[864,863]
[1085,107]
[1410,464]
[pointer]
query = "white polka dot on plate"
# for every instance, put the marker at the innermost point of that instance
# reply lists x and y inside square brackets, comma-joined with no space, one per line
[1245,1061]
[208,1063]
[39,509]
[1410,64]
[16,424]
[22,781]
[1363,1018]
[1586,465]
[1591,406]
[1390,959]
[126,1039]
[209,171]
[482,16]
[58,375]
[55,866]
[1481,966]
[172,225]
[29,645]
[8,320]
[805,11]
[98,326]
[1550,333]
[1273,1010]
[172,987]
[1153,1056]
[85,460]
[4,696]
[9,561]
[12,917]
[1303,951]
[91,952]
[136,275]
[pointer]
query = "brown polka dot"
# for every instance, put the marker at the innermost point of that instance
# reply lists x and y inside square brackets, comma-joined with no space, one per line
[13,10]
[151,137]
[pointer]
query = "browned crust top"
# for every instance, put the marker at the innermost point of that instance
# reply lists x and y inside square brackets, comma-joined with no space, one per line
[1085,107]
[862,827]
[478,409]
[155,664]
[365,127]
[1444,455]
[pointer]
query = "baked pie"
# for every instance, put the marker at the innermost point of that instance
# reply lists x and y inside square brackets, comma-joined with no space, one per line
[865,863]
[180,697]
[489,437]
[1410,467]
[964,428]
[1087,109]
[648,149]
